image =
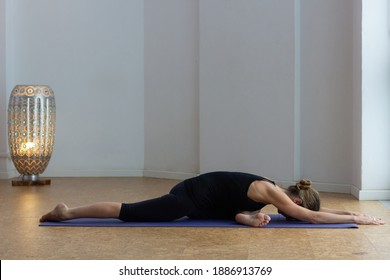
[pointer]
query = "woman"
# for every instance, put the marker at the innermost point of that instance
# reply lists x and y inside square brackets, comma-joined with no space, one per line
[217,195]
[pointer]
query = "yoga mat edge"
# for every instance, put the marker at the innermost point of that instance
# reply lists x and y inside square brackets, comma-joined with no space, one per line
[277,221]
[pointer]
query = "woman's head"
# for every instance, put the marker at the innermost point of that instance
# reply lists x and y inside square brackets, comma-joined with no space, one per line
[309,196]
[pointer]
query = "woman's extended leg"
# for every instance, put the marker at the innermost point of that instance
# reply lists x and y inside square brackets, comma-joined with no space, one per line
[168,207]
[97,210]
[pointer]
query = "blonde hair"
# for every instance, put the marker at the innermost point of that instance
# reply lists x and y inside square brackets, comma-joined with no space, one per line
[309,196]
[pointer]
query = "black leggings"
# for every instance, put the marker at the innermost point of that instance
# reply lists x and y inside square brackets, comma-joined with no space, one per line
[169,207]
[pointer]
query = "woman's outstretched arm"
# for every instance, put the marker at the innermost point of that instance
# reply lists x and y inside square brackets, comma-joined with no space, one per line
[336,211]
[361,217]
[327,216]
[342,212]
[281,201]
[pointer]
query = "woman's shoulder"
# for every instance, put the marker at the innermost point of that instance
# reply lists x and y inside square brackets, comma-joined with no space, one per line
[261,190]
[264,185]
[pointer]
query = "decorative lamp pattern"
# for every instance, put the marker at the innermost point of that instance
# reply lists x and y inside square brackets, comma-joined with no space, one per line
[31,129]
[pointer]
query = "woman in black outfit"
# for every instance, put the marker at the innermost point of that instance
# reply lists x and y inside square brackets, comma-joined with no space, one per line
[220,195]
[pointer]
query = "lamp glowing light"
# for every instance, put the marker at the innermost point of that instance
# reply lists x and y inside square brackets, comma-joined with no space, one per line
[27,148]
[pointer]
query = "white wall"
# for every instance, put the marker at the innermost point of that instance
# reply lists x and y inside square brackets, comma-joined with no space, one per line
[327,90]
[375,99]
[276,89]
[3,102]
[247,87]
[171,88]
[91,54]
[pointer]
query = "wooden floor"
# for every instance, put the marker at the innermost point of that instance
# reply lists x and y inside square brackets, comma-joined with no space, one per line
[22,238]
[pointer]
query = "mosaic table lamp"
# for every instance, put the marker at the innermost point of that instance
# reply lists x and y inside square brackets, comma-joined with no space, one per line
[31,127]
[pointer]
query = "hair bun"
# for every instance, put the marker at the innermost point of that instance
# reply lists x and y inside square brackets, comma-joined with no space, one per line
[303,184]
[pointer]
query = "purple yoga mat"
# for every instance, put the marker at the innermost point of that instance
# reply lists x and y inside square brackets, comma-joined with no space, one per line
[277,221]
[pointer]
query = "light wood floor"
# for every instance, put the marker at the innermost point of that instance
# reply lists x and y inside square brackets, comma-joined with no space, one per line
[22,238]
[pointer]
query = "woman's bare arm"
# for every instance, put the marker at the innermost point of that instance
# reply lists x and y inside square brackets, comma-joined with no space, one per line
[361,217]
[281,201]
[336,211]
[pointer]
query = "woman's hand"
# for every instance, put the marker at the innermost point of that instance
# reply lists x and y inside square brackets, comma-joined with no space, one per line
[363,219]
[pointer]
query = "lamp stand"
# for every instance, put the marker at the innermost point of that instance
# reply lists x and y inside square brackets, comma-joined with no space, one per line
[31,180]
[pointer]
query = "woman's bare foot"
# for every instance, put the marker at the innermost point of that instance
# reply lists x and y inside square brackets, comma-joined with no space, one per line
[255,219]
[58,214]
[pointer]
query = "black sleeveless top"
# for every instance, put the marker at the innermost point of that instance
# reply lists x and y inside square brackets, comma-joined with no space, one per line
[222,194]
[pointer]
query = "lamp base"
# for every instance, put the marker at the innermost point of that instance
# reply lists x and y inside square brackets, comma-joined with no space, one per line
[38,182]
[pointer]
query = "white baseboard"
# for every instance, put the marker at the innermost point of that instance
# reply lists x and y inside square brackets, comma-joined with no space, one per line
[93,173]
[5,175]
[108,173]
[78,173]
[168,175]
[370,194]
[334,188]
